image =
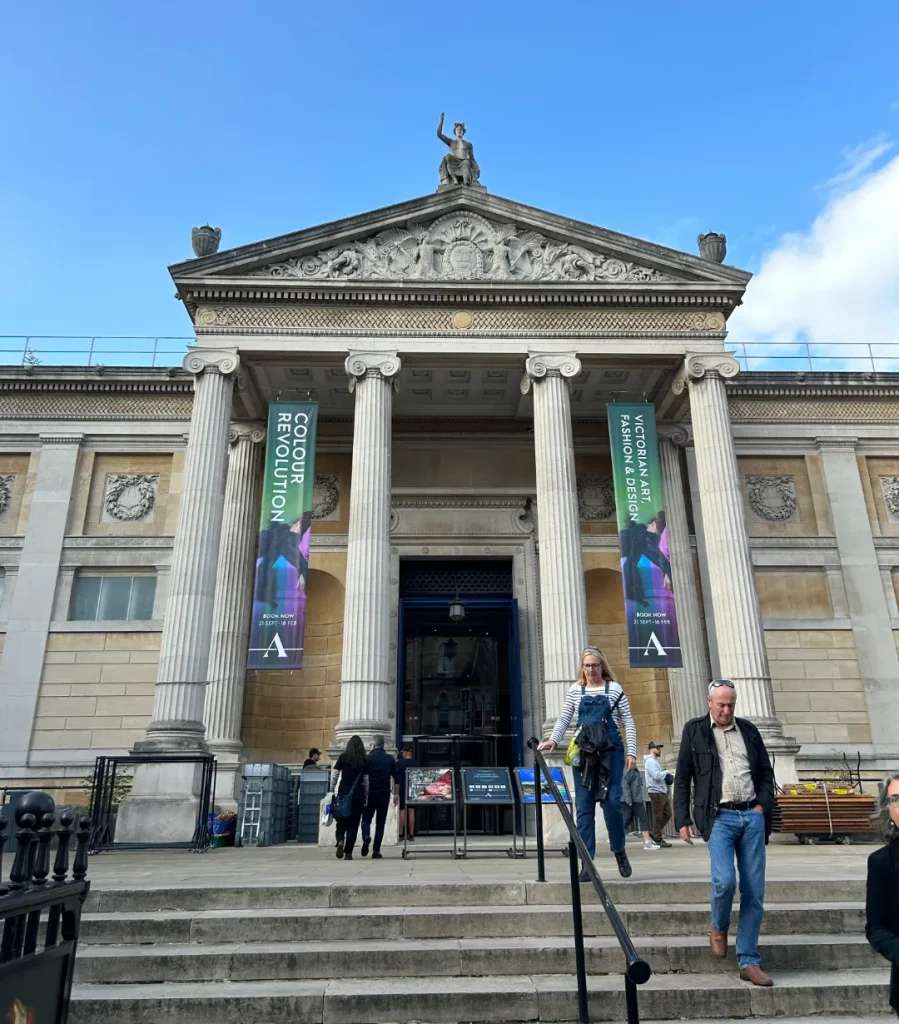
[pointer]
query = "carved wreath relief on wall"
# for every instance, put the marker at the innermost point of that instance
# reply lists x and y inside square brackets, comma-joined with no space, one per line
[325,496]
[130,497]
[6,485]
[772,497]
[459,247]
[889,486]
[595,498]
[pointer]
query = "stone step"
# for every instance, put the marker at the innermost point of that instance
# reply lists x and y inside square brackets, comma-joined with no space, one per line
[438,894]
[409,958]
[447,922]
[504,1000]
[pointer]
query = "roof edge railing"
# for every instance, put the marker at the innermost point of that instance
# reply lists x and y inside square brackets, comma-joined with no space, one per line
[637,971]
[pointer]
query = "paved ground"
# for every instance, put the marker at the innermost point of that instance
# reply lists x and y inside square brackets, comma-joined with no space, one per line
[291,864]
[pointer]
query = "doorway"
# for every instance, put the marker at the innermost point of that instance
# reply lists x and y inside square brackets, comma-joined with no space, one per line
[459,685]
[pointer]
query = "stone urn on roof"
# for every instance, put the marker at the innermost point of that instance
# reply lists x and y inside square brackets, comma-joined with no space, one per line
[205,240]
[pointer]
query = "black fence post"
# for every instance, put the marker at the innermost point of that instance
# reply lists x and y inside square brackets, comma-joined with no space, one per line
[538,818]
[630,998]
[583,1010]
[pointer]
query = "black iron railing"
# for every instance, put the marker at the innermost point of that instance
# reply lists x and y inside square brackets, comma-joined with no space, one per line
[636,970]
[40,912]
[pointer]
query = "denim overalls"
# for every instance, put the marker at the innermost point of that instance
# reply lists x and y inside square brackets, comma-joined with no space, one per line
[593,709]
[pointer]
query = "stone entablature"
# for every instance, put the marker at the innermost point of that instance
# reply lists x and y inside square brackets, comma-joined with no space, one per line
[451,321]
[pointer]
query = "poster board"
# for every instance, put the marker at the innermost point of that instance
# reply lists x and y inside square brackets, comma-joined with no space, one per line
[487,786]
[524,779]
[430,786]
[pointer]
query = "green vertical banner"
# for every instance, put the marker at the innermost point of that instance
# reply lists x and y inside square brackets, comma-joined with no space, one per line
[278,619]
[653,640]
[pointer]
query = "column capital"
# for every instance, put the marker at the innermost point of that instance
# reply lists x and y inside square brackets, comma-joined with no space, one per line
[540,365]
[836,444]
[254,433]
[218,360]
[371,364]
[699,365]
[677,434]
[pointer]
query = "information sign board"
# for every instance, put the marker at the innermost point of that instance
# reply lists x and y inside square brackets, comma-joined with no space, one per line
[487,786]
[525,779]
[430,786]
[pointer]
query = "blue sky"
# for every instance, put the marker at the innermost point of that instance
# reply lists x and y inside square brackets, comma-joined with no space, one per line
[123,125]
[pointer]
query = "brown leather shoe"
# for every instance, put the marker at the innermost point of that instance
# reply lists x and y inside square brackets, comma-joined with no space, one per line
[756,975]
[718,943]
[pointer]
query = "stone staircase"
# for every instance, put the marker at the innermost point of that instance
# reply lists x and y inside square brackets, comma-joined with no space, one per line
[458,952]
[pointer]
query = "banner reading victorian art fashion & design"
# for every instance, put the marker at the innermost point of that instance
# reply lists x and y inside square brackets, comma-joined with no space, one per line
[278,620]
[653,640]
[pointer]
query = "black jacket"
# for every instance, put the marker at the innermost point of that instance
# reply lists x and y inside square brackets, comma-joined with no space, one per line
[698,764]
[381,769]
[882,910]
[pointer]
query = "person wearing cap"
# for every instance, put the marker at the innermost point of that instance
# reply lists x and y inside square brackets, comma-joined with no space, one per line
[724,758]
[657,783]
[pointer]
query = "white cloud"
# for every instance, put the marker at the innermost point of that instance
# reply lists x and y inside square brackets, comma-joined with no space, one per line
[838,282]
[858,160]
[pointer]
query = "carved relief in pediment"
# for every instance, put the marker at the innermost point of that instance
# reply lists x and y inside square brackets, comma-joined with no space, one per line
[459,247]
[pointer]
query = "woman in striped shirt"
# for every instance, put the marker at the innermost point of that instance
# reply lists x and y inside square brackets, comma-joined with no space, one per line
[596,696]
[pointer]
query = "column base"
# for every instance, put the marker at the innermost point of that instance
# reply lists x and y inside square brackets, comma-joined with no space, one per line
[162,805]
[366,729]
[173,737]
[782,750]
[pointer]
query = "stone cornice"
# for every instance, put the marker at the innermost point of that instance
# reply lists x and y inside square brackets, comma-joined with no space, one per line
[83,382]
[814,385]
[683,295]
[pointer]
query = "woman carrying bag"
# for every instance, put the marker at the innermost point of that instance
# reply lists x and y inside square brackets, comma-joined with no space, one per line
[600,704]
[882,904]
[349,795]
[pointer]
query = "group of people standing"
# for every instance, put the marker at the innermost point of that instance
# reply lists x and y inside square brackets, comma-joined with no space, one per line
[363,786]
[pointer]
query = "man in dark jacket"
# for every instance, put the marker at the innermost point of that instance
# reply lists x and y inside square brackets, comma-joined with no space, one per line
[381,768]
[725,761]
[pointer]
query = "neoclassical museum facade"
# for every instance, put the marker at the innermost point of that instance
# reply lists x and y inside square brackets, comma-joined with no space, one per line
[462,349]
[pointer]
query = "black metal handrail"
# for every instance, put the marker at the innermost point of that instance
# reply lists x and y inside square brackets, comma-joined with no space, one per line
[637,971]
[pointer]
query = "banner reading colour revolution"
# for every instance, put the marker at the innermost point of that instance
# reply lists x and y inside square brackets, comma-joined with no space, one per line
[653,640]
[282,564]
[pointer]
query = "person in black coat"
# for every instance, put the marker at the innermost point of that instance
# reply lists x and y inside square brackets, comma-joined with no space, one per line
[882,902]
[381,768]
[724,759]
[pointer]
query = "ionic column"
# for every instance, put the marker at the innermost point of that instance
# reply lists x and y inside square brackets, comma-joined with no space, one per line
[563,600]
[364,677]
[688,685]
[233,600]
[184,655]
[741,645]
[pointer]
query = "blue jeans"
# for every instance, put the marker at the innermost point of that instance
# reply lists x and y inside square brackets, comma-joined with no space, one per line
[585,808]
[741,833]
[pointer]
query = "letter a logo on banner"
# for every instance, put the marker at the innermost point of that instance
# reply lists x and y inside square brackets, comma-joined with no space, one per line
[653,643]
[278,620]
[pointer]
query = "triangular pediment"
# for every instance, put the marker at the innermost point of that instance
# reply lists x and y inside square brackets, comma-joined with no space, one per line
[460,236]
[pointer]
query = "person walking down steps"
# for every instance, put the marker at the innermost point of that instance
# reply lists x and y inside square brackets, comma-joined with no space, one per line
[601,707]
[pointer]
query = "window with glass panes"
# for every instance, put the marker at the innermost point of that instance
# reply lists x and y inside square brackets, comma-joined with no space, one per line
[102,597]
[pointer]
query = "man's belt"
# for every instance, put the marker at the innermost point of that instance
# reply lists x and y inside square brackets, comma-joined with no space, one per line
[746,805]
